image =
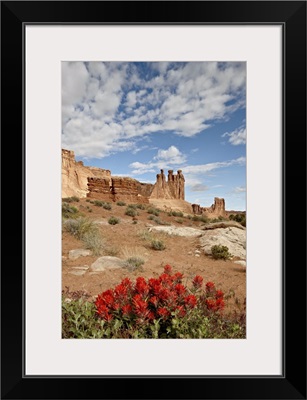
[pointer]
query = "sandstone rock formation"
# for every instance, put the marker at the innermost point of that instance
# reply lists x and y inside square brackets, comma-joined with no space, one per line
[75,174]
[172,188]
[115,189]
[217,209]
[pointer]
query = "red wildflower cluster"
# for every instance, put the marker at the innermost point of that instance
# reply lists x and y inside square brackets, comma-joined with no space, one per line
[155,298]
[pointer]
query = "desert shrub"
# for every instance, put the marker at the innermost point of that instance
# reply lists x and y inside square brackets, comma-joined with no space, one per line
[113,220]
[151,217]
[87,231]
[145,235]
[131,212]
[69,211]
[220,252]
[140,206]
[93,241]
[153,211]
[134,263]
[75,198]
[88,200]
[158,221]
[240,218]
[157,244]
[111,251]
[79,227]
[134,221]
[107,206]
[179,220]
[161,307]
[200,218]
[67,200]
[176,214]
[98,203]
[121,203]
[133,206]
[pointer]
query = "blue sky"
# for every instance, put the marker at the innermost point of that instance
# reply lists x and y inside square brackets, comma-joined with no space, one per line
[138,118]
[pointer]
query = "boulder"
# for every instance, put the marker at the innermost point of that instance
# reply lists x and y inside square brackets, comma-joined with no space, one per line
[177,231]
[232,237]
[106,262]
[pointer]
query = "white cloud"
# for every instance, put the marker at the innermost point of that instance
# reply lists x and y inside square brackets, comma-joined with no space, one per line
[205,168]
[239,189]
[180,97]
[164,159]
[199,188]
[237,136]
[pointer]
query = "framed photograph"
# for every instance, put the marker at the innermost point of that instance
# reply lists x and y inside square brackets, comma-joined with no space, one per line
[162,174]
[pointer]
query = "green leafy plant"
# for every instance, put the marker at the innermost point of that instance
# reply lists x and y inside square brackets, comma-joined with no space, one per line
[121,203]
[220,252]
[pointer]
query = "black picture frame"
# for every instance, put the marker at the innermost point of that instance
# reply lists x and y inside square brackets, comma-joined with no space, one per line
[292,16]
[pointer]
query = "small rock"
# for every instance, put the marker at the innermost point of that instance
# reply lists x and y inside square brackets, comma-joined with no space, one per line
[107,262]
[241,262]
[197,255]
[76,253]
[197,252]
[189,253]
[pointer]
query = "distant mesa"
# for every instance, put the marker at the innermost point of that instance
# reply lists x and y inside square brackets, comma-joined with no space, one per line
[97,183]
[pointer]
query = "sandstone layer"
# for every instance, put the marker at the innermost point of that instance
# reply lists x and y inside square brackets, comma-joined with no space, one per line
[75,174]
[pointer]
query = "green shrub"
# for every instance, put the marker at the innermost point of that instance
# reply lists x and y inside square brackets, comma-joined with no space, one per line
[179,220]
[113,220]
[79,227]
[69,211]
[158,221]
[175,214]
[87,231]
[67,200]
[93,241]
[151,217]
[153,211]
[240,218]
[107,206]
[133,206]
[131,212]
[98,203]
[88,200]
[75,198]
[134,263]
[157,244]
[200,218]
[140,206]
[121,203]
[220,252]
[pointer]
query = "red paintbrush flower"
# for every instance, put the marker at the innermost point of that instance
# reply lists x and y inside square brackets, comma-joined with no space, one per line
[197,282]
[190,301]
